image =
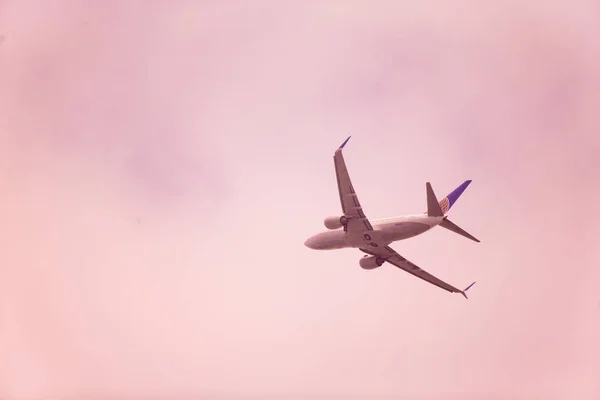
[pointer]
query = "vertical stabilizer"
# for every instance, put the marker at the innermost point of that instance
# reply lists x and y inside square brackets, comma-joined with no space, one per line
[447,202]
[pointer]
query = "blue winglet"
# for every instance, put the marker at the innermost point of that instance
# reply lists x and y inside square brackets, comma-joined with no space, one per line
[464,291]
[345,141]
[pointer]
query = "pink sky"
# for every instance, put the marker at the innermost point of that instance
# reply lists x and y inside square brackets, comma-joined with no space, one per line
[215,123]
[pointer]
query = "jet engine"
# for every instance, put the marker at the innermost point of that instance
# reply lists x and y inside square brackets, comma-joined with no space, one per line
[335,222]
[371,262]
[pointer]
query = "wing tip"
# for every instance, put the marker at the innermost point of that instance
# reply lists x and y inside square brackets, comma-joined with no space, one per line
[343,144]
[464,292]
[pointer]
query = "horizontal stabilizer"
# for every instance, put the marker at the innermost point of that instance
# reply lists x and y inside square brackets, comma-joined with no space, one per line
[446,223]
[433,206]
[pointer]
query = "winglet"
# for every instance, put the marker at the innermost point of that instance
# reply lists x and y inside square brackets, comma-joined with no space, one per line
[345,141]
[464,291]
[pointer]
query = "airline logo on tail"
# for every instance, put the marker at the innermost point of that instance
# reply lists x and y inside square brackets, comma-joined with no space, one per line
[445,205]
[447,202]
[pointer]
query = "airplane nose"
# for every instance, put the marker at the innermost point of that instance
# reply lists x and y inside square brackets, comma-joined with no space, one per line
[310,243]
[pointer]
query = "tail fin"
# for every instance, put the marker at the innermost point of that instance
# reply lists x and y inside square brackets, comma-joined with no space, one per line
[437,208]
[441,208]
[447,202]
[446,223]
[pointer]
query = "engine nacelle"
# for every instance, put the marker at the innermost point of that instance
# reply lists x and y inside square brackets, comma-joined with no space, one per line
[371,262]
[335,222]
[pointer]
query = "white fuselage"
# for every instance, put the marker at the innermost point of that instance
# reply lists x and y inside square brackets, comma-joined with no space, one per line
[385,231]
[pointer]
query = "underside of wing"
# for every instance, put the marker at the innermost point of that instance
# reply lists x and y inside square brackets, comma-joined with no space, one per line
[390,255]
[357,221]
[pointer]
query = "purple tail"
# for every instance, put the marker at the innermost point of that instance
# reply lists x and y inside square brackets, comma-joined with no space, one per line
[447,202]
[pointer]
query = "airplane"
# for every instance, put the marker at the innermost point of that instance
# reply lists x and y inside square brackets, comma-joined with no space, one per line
[354,230]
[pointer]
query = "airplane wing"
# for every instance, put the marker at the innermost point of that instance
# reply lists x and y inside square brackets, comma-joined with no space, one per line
[391,256]
[358,222]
